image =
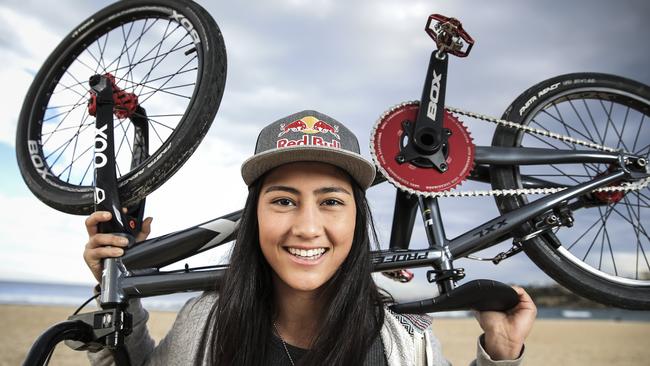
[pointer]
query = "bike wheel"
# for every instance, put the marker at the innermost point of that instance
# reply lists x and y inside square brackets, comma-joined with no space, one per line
[605,255]
[168,53]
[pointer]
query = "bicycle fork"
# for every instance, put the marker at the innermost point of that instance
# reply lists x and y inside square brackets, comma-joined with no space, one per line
[111,324]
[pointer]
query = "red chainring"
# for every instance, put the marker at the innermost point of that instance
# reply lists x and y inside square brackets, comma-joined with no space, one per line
[387,140]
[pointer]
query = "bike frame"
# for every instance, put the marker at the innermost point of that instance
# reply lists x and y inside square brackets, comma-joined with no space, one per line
[143,261]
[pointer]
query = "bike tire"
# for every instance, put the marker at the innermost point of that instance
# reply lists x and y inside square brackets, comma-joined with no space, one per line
[571,105]
[179,80]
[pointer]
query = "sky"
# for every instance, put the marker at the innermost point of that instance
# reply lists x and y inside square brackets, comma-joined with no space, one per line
[351,60]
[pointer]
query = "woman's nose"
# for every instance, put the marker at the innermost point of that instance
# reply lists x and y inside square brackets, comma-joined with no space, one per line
[309,223]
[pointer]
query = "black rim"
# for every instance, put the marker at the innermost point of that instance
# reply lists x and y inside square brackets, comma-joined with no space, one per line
[609,239]
[150,55]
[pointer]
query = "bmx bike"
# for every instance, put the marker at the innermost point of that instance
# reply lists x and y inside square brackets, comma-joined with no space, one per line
[128,95]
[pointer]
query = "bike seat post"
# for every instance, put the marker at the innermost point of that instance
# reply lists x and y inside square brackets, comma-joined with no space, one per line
[435,231]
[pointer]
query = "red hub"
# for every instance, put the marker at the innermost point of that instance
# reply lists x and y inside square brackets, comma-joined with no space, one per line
[125,103]
[609,197]
[386,143]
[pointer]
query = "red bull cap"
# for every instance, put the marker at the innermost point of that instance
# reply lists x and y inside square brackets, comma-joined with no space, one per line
[308,136]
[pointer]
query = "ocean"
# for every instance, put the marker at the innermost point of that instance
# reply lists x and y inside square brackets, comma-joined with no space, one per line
[33,293]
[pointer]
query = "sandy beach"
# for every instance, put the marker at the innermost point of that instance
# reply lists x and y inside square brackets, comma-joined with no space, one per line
[552,342]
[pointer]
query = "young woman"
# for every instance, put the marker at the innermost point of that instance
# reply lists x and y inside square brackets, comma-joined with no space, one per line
[299,289]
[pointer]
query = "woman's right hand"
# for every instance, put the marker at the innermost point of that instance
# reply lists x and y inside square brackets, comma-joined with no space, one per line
[102,246]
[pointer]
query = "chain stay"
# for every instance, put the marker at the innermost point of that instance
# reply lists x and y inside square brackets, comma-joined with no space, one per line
[625,187]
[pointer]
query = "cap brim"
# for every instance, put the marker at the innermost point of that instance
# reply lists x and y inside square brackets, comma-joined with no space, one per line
[356,165]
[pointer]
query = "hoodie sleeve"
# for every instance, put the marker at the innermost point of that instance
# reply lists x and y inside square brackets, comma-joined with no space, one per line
[483,359]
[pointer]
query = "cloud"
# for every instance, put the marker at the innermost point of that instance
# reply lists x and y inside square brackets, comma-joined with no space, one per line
[37,240]
[22,47]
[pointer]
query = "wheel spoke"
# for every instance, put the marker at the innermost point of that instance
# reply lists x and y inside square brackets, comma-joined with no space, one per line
[566,127]
[125,48]
[646,200]
[130,58]
[165,90]
[591,138]
[636,138]
[620,137]
[168,80]
[94,71]
[64,129]
[154,47]
[640,227]
[103,49]
[611,252]
[563,175]
[641,151]
[70,88]
[153,64]
[602,245]
[639,246]
[60,114]
[128,143]
[121,54]
[134,84]
[583,234]
[89,148]
[74,149]
[598,232]
[610,122]
[149,59]
[60,106]
[165,115]
[68,168]
[153,120]
[61,122]
[90,163]
[593,123]
[546,142]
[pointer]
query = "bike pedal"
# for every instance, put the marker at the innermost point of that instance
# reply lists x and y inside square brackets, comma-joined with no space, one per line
[399,275]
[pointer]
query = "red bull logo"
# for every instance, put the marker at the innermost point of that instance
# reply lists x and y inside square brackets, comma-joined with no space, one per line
[310,125]
[308,140]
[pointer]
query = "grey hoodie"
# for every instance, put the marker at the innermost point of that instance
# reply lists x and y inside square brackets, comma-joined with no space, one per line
[408,340]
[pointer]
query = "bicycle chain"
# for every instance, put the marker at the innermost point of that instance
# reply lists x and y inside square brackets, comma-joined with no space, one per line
[625,187]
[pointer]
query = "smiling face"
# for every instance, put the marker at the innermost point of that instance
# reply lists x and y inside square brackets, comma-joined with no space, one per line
[306,214]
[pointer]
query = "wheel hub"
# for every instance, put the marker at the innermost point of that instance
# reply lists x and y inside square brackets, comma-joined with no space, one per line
[125,103]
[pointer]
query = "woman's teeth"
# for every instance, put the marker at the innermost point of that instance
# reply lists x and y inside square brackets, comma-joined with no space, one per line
[310,254]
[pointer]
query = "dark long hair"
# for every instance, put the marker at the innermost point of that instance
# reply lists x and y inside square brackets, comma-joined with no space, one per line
[243,314]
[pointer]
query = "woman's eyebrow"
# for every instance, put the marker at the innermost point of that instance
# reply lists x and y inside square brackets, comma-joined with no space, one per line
[332,189]
[282,188]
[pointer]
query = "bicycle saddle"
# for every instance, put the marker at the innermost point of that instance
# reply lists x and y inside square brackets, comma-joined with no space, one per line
[480,295]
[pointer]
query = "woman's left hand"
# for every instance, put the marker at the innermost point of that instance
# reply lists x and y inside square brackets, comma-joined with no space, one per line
[505,332]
